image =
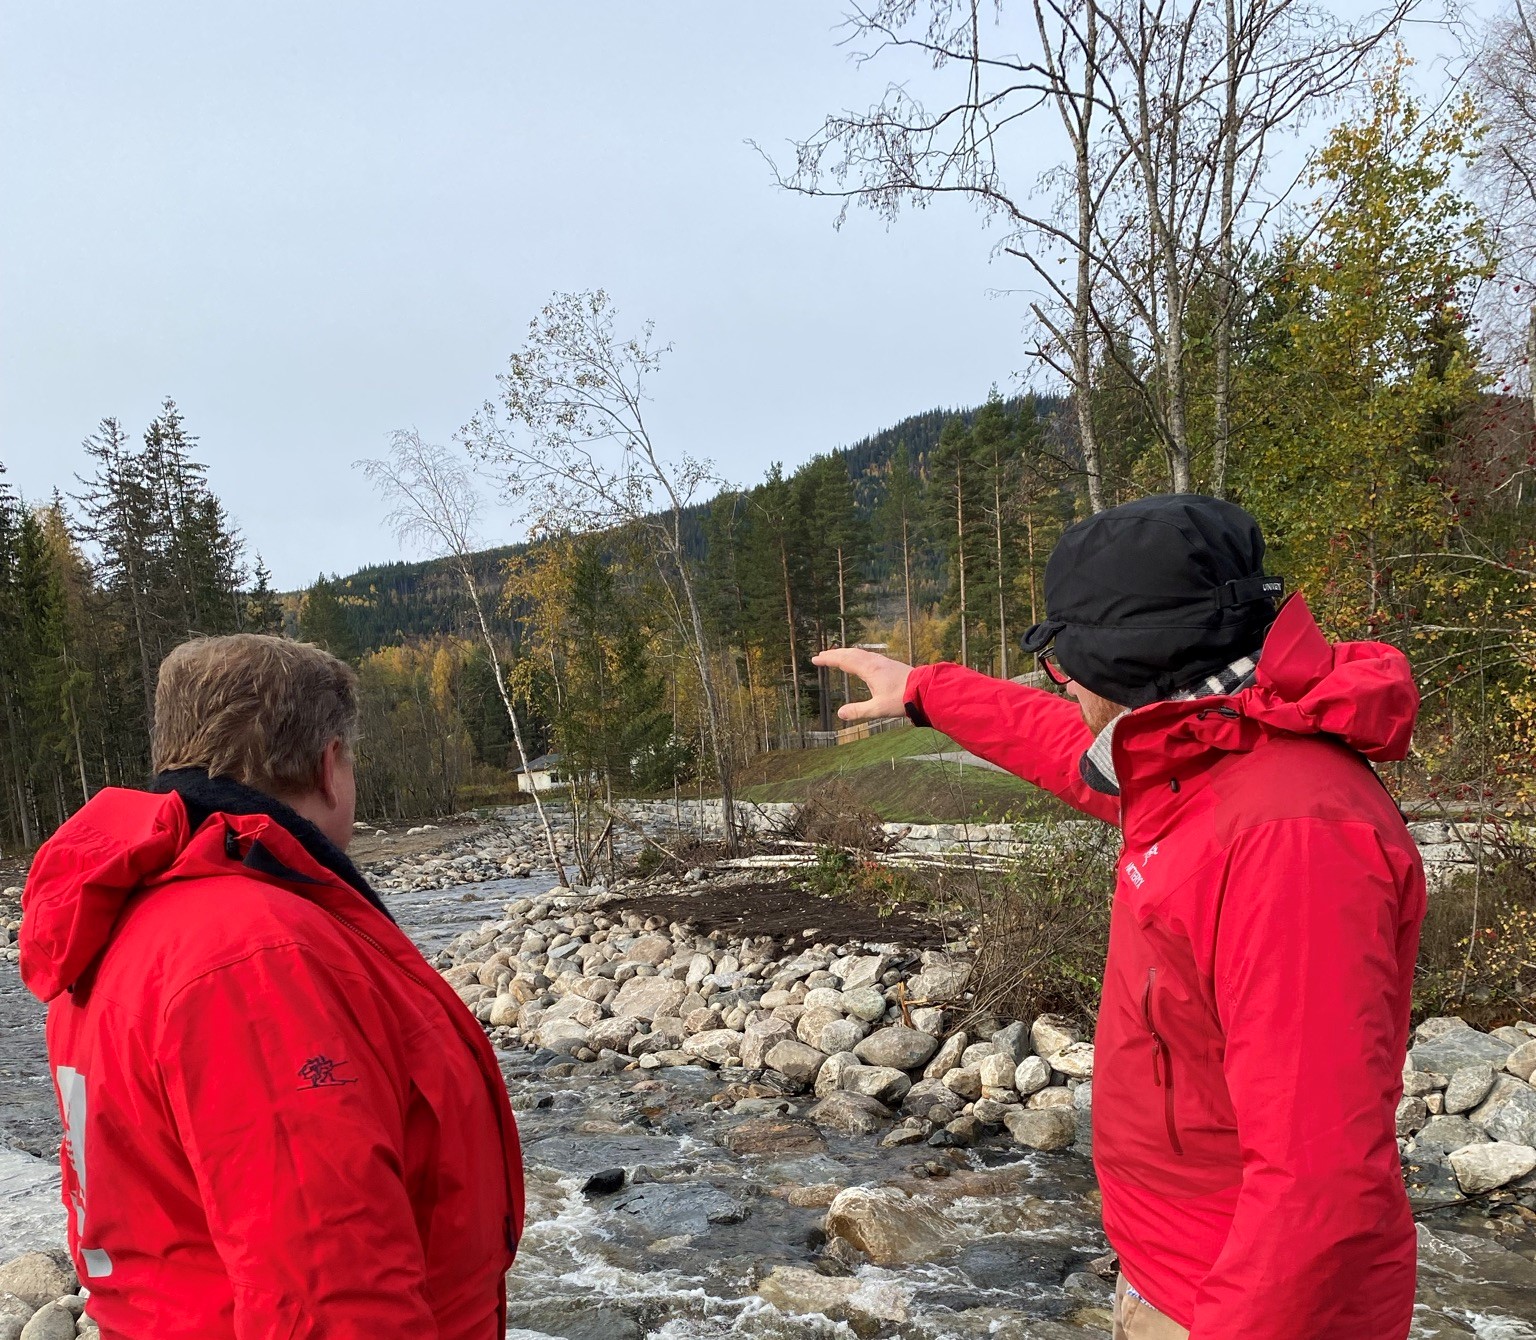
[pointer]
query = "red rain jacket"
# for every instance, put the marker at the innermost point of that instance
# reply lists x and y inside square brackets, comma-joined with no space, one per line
[1250,1043]
[280,1123]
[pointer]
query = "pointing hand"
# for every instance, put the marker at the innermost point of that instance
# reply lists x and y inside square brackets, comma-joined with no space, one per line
[886,678]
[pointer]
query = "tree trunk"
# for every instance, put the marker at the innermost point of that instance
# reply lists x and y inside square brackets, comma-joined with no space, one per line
[1002,616]
[965,654]
[842,617]
[794,653]
[517,729]
[1221,395]
[1082,306]
[906,576]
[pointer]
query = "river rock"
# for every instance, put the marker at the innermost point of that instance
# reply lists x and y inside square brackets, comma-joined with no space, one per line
[862,971]
[51,1323]
[652,950]
[965,1082]
[718,1046]
[900,1047]
[610,1034]
[1060,1096]
[1045,1129]
[948,1056]
[575,1008]
[1014,1039]
[1031,1075]
[1421,1083]
[997,1070]
[801,1291]
[702,1021]
[851,1113]
[795,1061]
[841,1035]
[1487,1167]
[37,1278]
[825,998]
[774,1135]
[926,1095]
[1443,1134]
[927,1019]
[1457,1045]
[1508,1112]
[867,1003]
[1521,1063]
[1467,1087]
[648,998]
[565,1036]
[1412,1116]
[1075,1060]
[504,1012]
[829,1079]
[888,1227]
[1051,1033]
[884,1083]
[808,1028]
[941,980]
[759,1038]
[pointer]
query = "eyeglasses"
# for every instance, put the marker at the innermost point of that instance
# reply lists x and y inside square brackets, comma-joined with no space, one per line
[1047,661]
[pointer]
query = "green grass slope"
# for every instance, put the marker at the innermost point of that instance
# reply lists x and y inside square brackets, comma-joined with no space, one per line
[881,774]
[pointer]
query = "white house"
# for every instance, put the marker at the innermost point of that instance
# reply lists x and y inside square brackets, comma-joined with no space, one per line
[542,774]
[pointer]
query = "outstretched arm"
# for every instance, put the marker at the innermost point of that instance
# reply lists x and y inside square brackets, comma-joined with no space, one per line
[1033,734]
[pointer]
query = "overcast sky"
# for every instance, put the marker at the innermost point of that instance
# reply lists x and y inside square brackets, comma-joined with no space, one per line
[313,223]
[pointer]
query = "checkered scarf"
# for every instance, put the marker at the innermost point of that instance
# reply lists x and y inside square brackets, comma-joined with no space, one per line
[1097,766]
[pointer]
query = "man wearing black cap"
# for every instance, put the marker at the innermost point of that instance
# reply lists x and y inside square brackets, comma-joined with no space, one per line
[1254,1018]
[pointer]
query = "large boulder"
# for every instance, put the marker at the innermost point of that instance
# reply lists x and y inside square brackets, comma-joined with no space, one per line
[575,1008]
[1508,1112]
[851,1113]
[1031,1075]
[997,1071]
[883,1083]
[829,1079]
[1412,1116]
[1487,1167]
[718,1046]
[37,1278]
[841,1035]
[565,1036]
[887,1227]
[1521,1063]
[813,1020]
[801,1291]
[942,979]
[651,950]
[648,998]
[926,1095]
[864,971]
[1467,1087]
[774,1135]
[1075,1060]
[505,1011]
[1050,1128]
[899,1047]
[610,1034]
[948,1056]
[51,1323]
[795,1061]
[964,1082]
[865,1003]
[1455,1045]
[1014,1039]
[760,1037]
[1443,1134]
[1051,1033]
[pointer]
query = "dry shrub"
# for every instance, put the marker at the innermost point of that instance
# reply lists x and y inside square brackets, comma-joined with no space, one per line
[1477,953]
[1043,928]
[836,817]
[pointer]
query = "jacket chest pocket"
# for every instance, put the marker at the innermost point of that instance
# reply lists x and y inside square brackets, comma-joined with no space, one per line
[1162,1058]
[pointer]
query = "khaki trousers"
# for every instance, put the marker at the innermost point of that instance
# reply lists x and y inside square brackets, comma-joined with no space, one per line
[1135,1320]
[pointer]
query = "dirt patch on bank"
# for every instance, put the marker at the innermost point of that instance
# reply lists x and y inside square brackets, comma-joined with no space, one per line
[782,909]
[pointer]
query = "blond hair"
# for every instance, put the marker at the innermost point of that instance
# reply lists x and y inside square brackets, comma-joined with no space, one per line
[255,708]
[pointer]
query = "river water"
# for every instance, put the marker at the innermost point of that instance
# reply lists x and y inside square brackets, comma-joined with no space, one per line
[674,1244]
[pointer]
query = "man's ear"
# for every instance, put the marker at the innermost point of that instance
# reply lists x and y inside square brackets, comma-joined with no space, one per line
[330,766]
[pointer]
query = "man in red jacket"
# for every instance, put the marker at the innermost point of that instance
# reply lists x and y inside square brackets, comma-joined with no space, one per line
[279,1122]
[1254,1017]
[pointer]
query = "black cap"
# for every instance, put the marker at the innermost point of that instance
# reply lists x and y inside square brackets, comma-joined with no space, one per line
[1150,597]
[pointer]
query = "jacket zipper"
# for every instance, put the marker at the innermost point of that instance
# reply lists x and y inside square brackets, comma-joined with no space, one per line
[1162,1062]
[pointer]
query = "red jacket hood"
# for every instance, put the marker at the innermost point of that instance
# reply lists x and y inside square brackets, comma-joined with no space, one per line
[1361,693]
[84,874]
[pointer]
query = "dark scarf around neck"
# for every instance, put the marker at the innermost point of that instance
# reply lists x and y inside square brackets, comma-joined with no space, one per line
[204,796]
